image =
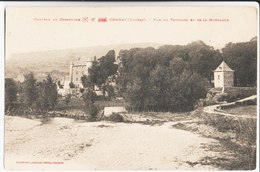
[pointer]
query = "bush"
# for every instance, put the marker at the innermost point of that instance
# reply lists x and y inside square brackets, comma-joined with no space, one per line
[231,93]
[10,94]
[67,99]
[115,117]
[89,97]
[220,122]
[92,111]
[220,97]
[246,135]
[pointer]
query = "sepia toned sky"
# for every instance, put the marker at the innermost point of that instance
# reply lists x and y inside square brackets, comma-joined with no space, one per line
[27,31]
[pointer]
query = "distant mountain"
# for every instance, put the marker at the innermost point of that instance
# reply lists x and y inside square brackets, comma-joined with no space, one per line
[56,62]
[254,38]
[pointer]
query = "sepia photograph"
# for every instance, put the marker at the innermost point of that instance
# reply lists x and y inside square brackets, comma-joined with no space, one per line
[131,87]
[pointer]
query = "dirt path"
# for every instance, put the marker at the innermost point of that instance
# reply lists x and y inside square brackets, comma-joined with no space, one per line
[103,145]
[213,109]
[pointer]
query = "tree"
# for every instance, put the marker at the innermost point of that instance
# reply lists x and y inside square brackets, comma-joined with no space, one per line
[101,70]
[10,93]
[203,59]
[47,94]
[160,80]
[86,82]
[52,92]
[67,99]
[29,90]
[71,85]
[110,91]
[89,99]
[242,58]
[60,86]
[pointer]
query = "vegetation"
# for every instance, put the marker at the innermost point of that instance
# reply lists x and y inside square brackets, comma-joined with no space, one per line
[242,57]
[245,131]
[71,85]
[30,95]
[250,110]
[100,71]
[10,93]
[47,94]
[98,76]
[29,90]
[67,99]
[171,78]
[115,117]
[89,98]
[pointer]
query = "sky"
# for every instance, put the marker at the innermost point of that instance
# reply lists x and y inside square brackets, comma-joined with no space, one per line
[44,28]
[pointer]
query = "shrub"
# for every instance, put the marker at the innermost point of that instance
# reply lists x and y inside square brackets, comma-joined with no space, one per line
[115,117]
[220,97]
[220,122]
[10,93]
[231,93]
[246,133]
[92,111]
[67,99]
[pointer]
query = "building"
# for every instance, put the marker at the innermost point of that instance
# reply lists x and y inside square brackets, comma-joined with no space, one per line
[77,70]
[223,76]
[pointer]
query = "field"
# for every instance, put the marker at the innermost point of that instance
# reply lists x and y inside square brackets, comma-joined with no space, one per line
[243,110]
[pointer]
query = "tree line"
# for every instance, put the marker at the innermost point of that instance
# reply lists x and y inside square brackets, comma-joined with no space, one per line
[31,95]
[169,78]
[175,77]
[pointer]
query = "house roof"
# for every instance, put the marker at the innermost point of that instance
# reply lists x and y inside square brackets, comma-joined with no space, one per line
[223,67]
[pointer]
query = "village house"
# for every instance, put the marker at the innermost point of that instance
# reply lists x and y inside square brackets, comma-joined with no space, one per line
[223,76]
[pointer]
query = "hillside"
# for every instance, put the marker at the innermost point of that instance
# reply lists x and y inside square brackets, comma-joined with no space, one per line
[57,62]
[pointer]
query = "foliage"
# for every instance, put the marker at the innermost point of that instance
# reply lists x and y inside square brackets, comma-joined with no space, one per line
[86,82]
[160,83]
[10,93]
[89,97]
[71,85]
[47,94]
[59,84]
[110,91]
[92,111]
[246,135]
[29,90]
[102,69]
[115,117]
[242,57]
[81,90]
[203,59]
[67,99]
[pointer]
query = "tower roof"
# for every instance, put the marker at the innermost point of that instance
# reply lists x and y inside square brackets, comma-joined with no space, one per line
[223,67]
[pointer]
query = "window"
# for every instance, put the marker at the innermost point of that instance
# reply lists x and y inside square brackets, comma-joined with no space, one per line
[218,76]
[76,72]
[76,79]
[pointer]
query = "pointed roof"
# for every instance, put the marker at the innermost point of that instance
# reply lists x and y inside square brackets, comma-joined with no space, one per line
[223,67]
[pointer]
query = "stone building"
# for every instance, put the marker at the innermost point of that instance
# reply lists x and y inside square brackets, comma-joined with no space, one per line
[77,70]
[223,76]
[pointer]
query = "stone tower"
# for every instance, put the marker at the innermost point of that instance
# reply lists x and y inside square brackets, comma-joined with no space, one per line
[223,76]
[77,70]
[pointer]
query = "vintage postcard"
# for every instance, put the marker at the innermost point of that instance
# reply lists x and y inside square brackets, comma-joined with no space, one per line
[131,87]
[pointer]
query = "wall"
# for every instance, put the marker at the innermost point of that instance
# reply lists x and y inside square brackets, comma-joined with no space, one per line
[229,79]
